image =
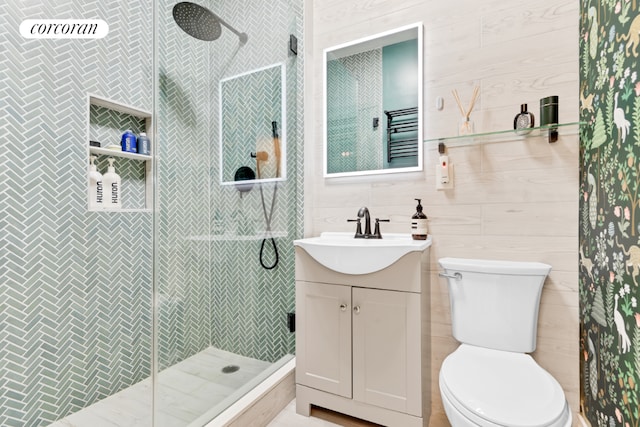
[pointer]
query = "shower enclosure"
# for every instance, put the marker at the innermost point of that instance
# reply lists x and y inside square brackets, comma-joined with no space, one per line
[159,314]
[216,301]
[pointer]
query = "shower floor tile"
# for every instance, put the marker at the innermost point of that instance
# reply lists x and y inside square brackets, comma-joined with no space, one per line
[187,390]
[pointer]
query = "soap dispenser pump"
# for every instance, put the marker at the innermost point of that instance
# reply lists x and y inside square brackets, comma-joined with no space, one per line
[95,186]
[419,228]
[111,182]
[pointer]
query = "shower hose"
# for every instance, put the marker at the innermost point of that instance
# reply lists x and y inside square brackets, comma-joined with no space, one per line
[268,235]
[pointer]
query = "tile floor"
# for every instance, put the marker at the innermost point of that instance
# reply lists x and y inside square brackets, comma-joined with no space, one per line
[187,390]
[183,388]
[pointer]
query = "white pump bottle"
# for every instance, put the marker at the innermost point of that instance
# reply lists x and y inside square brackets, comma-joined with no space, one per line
[112,193]
[95,187]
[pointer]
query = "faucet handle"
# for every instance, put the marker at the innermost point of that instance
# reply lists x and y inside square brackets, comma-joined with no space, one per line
[376,231]
[358,227]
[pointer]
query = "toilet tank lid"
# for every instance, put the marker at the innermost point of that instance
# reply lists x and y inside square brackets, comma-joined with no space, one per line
[502,387]
[495,266]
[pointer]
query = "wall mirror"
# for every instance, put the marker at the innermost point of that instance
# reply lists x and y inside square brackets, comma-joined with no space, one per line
[373,104]
[253,126]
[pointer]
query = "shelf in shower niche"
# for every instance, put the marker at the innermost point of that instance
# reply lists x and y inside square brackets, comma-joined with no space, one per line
[118,153]
[237,237]
[509,135]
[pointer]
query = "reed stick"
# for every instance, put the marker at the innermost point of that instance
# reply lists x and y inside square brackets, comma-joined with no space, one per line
[457,98]
[476,90]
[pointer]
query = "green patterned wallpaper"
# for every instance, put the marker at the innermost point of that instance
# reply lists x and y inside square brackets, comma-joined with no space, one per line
[609,215]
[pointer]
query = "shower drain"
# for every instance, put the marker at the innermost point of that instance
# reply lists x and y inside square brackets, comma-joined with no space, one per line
[230,369]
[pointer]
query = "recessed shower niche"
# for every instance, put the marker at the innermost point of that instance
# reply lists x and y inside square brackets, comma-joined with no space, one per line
[106,121]
[253,125]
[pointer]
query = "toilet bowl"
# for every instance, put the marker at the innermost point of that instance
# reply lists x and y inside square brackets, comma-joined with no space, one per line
[490,380]
[490,388]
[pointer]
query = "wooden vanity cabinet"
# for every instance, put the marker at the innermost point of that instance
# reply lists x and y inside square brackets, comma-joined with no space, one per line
[360,346]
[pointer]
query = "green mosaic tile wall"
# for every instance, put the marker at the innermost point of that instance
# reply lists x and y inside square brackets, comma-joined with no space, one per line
[75,286]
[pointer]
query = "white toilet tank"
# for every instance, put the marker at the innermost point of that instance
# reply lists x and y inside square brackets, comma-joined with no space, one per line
[494,304]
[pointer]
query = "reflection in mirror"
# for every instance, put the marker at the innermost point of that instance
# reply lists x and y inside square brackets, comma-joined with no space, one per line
[252,125]
[373,104]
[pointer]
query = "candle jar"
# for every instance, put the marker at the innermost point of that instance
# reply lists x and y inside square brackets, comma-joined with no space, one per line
[549,116]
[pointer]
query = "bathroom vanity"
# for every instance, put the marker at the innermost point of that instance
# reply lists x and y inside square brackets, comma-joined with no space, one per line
[361,340]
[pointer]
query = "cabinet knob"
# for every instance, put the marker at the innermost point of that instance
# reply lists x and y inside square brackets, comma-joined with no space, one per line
[356,309]
[343,307]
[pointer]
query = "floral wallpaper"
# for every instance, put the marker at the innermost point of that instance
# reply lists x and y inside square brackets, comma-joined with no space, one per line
[609,252]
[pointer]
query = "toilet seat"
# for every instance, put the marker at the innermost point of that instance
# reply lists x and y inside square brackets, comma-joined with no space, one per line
[499,388]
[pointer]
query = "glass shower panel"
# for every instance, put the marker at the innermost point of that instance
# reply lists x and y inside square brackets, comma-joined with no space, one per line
[221,316]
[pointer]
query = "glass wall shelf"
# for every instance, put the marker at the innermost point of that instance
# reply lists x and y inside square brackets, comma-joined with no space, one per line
[509,135]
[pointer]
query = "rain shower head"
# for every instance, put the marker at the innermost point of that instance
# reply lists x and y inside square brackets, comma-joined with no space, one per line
[201,23]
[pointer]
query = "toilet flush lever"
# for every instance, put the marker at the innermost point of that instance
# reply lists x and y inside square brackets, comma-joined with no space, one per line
[457,275]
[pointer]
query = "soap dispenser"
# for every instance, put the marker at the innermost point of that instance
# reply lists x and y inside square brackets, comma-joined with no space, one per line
[111,183]
[95,186]
[419,228]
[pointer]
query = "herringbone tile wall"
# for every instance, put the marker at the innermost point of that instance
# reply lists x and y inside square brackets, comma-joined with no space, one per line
[76,286]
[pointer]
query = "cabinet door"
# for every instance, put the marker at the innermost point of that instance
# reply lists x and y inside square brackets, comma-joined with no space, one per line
[386,349]
[323,337]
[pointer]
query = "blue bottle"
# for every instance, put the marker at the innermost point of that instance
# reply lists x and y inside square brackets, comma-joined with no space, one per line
[129,142]
[144,144]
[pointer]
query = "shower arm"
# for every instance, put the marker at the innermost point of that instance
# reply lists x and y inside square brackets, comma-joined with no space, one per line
[242,36]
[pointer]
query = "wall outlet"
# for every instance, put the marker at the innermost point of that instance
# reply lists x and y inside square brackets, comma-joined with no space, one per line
[444,185]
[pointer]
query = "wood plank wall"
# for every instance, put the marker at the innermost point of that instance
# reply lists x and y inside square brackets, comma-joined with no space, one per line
[515,200]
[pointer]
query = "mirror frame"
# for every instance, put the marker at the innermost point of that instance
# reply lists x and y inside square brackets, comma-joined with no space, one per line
[362,45]
[282,128]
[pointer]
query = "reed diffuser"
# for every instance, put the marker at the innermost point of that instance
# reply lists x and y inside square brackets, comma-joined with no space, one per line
[466,125]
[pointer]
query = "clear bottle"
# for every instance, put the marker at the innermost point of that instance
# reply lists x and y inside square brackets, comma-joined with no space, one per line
[95,186]
[144,144]
[112,190]
[419,226]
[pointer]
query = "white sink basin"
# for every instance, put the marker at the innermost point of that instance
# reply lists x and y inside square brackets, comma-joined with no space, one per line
[343,253]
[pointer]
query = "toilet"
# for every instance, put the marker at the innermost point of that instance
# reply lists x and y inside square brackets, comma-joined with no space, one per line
[490,380]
